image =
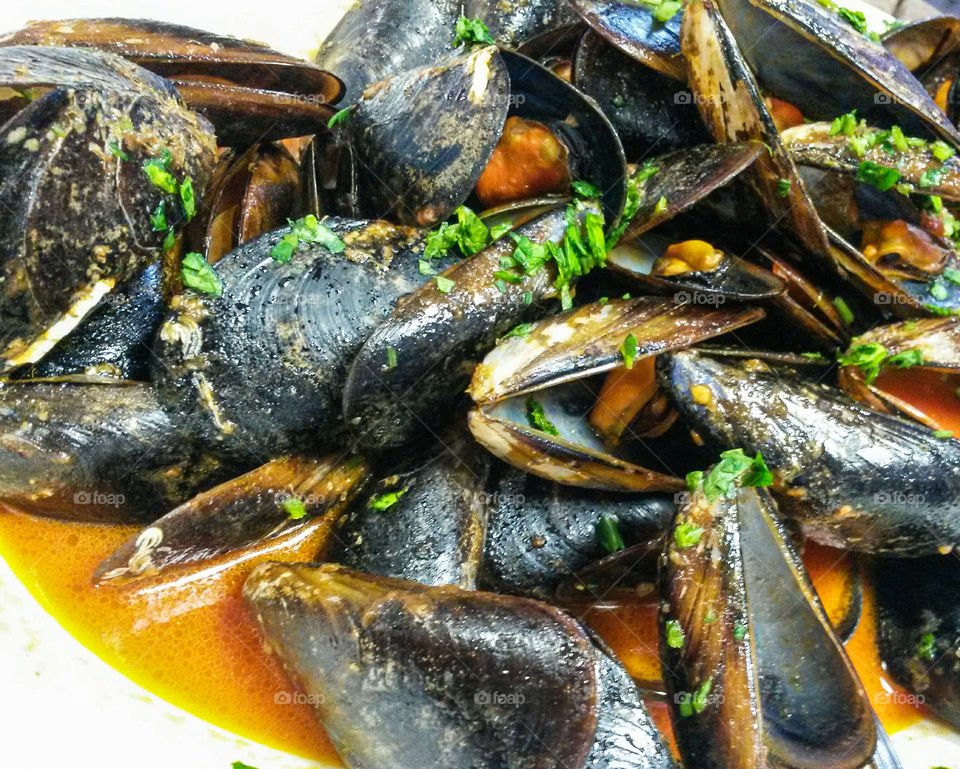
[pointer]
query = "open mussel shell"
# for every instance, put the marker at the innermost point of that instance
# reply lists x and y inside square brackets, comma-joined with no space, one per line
[95,450]
[540,534]
[285,493]
[766,679]
[937,339]
[115,339]
[425,518]
[853,477]
[249,194]
[80,147]
[632,28]
[484,679]
[651,112]
[418,142]
[259,371]
[918,627]
[436,336]
[587,341]
[811,144]
[249,91]
[921,44]
[387,37]
[551,362]
[807,55]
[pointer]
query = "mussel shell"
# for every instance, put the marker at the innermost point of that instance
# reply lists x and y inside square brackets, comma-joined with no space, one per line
[731,104]
[851,476]
[434,533]
[541,533]
[917,597]
[773,680]
[632,28]
[101,451]
[420,140]
[173,49]
[259,371]
[805,54]
[651,112]
[920,44]
[115,339]
[596,154]
[406,676]
[74,212]
[240,513]
[437,336]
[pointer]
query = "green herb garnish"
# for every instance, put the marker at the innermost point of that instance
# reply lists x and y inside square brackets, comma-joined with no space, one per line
[305,230]
[159,176]
[694,479]
[846,314]
[686,535]
[200,276]
[941,434]
[739,632]
[115,150]
[158,218]
[444,285]
[629,350]
[941,150]
[674,634]
[471,32]
[855,19]
[585,190]
[699,701]
[294,507]
[538,419]
[391,358]
[388,500]
[734,465]
[783,187]
[608,534]
[845,124]
[876,175]
[187,199]
[521,330]
[341,116]
[927,647]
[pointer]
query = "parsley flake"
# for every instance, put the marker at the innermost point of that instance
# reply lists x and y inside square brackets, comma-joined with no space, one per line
[608,534]
[200,276]
[538,419]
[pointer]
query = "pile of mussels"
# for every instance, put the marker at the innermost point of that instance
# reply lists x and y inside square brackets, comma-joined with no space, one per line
[494,317]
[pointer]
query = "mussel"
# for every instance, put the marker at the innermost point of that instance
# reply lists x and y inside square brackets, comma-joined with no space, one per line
[82,169]
[248,91]
[484,680]
[259,371]
[756,676]
[853,477]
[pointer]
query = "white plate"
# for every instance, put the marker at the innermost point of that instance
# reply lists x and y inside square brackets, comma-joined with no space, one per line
[60,705]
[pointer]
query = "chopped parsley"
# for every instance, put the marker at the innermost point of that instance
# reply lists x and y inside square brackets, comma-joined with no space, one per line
[187,199]
[386,501]
[855,19]
[294,508]
[927,647]
[632,204]
[521,330]
[241,765]
[158,218]
[585,190]
[608,534]
[469,235]
[629,350]
[938,290]
[305,230]
[538,419]
[697,702]
[783,187]
[158,173]
[340,116]
[845,124]
[686,535]
[471,32]
[663,10]
[739,632]
[444,285]
[675,635]
[391,358]
[876,175]
[941,150]
[200,276]
[952,275]
[694,479]
[115,150]
[846,314]
[942,434]
[931,177]
[661,205]
[870,357]
[734,465]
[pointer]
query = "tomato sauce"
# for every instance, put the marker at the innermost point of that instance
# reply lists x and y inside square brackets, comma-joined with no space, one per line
[188,638]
